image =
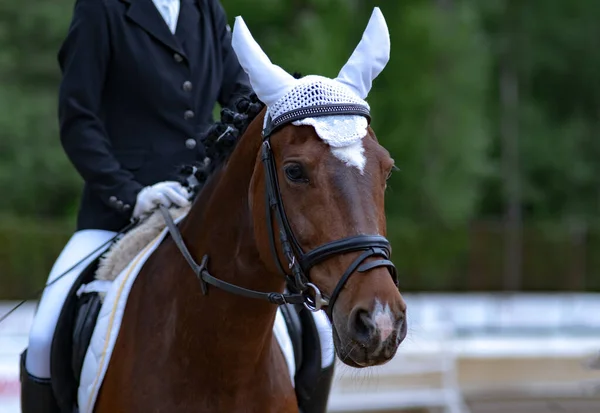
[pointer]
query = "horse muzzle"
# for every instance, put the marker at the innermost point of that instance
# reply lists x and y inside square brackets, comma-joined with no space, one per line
[367,338]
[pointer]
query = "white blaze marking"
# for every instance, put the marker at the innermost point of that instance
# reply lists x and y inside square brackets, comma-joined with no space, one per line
[344,134]
[383,319]
[352,155]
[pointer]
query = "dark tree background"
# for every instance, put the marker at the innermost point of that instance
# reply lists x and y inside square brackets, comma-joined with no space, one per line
[490,108]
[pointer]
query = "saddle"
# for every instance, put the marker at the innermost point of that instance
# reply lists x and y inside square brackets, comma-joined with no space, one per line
[78,319]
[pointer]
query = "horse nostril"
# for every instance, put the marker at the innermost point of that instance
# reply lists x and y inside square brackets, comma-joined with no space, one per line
[401,322]
[362,325]
[402,327]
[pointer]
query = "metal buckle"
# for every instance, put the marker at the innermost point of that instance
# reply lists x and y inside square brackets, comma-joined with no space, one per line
[318,302]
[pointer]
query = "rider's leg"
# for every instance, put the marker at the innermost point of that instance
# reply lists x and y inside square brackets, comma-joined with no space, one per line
[81,244]
[36,379]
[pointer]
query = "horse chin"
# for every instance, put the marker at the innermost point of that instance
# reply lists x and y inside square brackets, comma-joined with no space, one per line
[353,354]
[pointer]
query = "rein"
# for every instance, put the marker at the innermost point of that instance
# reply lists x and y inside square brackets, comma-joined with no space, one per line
[124,230]
[300,263]
[205,278]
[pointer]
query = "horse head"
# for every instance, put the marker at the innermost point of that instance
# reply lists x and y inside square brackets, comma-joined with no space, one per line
[321,177]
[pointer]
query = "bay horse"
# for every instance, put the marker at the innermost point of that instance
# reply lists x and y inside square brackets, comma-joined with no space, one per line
[284,194]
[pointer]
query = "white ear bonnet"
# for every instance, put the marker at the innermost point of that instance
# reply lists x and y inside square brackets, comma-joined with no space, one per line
[284,95]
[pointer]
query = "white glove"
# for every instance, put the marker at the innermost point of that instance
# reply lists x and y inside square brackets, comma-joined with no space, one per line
[163,193]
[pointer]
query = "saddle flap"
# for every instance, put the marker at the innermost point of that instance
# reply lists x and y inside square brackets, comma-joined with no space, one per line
[71,338]
[294,327]
[312,382]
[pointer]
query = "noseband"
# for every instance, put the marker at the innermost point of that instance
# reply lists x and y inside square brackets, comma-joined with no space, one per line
[299,263]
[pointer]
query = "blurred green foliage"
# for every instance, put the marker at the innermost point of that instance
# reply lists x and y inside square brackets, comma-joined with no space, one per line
[438,108]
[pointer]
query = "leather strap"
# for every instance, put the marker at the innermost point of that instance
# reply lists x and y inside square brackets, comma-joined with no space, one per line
[312,112]
[271,201]
[205,277]
[289,243]
[342,246]
[299,263]
[364,268]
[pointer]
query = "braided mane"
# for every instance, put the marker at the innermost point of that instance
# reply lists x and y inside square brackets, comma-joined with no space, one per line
[220,140]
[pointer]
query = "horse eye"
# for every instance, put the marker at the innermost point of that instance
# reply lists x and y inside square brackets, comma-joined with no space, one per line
[392,170]
[295,173]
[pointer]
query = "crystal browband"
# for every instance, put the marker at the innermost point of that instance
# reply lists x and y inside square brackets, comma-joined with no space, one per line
[314,111]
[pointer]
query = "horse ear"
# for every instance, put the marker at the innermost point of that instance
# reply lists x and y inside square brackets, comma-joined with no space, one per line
[270,82]
[369,58]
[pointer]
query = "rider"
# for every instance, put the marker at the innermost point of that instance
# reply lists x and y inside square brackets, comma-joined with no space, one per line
[140,79]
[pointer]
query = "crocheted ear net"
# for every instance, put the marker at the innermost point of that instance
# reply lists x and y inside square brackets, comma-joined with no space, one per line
[337,131]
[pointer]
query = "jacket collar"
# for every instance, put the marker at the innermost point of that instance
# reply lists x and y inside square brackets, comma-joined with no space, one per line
[145,14]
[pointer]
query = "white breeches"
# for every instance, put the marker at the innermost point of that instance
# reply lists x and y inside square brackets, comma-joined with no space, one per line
[81,244]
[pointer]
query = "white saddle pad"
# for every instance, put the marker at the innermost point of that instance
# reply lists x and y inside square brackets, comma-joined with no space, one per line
[107,327]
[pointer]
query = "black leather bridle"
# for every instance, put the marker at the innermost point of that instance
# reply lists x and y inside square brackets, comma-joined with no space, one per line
[299,262]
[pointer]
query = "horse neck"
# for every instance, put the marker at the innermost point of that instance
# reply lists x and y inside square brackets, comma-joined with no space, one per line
[220,225]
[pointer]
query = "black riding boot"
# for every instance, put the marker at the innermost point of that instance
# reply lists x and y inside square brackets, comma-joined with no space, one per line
[36,393]
[317,403]
[313,383]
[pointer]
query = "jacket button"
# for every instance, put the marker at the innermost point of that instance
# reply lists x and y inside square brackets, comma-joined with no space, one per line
[119,204]
[187,86]
[188,115]
[178,58]
[112,199]
[126,207]
[190,143]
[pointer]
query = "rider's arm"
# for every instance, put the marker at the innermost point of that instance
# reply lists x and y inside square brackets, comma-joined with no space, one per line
[235,81]
[83,59]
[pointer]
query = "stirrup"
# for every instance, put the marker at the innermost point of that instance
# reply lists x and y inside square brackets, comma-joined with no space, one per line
[36,393]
